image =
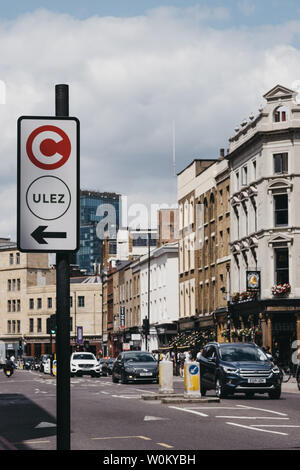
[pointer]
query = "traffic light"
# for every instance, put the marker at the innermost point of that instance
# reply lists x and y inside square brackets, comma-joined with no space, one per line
[20,348]
[51,325]
[145,326]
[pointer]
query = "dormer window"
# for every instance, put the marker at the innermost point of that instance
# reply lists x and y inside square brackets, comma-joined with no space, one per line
[280,114]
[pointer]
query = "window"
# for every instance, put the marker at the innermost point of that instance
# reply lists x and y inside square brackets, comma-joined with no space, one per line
[254,169]
[9,284]
[9,326]
[31,304]
[18,326]
[80,301]
[71,302]
[49,302]
[19,284]
[280,163]
[13,305]
[14,326]
[281,265]
[31,325]
[13,284]
[281,210]
[18,305]
[237,181]
[11,258]
[280,114]
[17,258]
[39,325]
[244,176]
[9,306]
[39,303]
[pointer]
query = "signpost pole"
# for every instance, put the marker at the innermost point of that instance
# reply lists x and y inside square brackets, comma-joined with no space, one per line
[63,402]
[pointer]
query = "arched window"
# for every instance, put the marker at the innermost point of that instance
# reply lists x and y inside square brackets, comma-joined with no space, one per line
[280,114]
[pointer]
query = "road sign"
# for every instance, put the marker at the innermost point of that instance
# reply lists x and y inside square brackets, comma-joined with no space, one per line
[48,184]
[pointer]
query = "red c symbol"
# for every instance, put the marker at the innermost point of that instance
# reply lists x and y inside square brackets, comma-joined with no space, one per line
[49,147]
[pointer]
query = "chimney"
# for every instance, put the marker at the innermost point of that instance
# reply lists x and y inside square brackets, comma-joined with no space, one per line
[222,154]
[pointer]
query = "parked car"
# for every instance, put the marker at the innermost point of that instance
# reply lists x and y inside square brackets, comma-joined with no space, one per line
[135,366]
[84,363]
[231,368]
[106,366]
[28,362]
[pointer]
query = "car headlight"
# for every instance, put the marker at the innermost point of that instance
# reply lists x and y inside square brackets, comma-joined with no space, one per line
[230,370]
[73,365]
[275,370]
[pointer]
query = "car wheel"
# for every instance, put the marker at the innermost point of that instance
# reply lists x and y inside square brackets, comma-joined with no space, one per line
[124,379]
[220,392]
[275,394]
[115,381]
[298,380]
[72,375]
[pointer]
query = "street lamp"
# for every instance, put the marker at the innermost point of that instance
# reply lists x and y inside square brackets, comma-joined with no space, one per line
[228,315]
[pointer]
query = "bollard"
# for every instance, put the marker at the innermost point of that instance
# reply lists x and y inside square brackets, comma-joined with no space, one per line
[192,379]
[54,368]
[166,377]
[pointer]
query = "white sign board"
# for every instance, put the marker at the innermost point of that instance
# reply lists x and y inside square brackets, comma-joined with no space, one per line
[48,184]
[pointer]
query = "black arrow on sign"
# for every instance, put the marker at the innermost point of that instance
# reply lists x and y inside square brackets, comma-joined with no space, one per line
[39,234]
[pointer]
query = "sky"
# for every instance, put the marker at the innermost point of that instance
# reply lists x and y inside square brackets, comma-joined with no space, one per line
[136,71]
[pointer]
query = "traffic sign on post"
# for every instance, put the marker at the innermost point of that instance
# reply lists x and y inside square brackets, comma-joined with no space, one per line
[48,184]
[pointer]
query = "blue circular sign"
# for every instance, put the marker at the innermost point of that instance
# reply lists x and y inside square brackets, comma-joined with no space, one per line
[193,370]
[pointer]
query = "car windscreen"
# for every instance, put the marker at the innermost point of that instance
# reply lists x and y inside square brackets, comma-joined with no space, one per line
[89,357]
[139,358]
[242,354]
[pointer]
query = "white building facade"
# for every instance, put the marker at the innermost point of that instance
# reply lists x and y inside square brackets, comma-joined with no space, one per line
[162,298]
[264,158]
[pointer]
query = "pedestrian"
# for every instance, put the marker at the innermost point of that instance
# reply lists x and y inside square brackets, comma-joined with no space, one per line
[199,355]
[181,357]
[12,358]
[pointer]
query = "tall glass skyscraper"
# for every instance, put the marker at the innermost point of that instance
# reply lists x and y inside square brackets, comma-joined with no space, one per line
[98,212]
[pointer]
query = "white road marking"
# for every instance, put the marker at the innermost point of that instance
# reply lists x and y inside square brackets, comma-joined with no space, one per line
[252,428]
[250,417]
[261,409]
[154,418]
[126,396]
[189,411]
[275,425]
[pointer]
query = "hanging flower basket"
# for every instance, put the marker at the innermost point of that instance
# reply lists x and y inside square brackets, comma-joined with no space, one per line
[235,297]
[281,289]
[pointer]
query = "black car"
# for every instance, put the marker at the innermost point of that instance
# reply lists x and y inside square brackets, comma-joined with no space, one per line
[231,368]
[106,366]
[135,366]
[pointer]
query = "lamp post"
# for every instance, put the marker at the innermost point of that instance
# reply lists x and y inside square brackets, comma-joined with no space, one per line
[103,278]
[228,315]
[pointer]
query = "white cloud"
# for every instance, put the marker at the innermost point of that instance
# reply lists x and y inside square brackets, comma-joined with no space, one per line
[129,79]
[246,7]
